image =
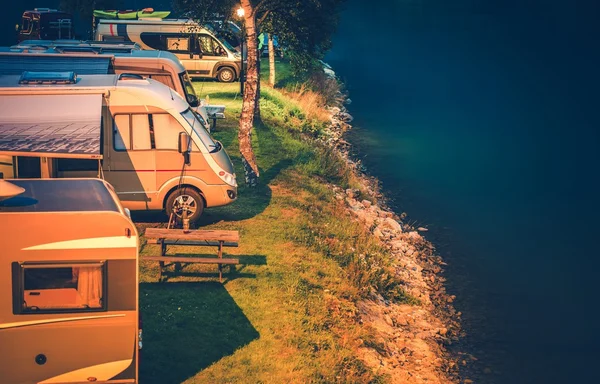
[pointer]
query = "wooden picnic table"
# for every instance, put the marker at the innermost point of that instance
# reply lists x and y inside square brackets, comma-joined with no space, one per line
[194,237]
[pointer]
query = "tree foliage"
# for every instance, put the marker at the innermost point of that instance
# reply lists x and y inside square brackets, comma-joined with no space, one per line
[304,28]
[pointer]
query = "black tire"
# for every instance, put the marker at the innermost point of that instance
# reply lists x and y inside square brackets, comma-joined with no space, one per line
[186,197]
[226,75]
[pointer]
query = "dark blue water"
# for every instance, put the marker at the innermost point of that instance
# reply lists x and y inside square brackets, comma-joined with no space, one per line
[482,119]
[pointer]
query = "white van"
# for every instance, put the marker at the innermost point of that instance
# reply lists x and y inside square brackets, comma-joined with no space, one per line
[136,133]
[201,52]
[69,309]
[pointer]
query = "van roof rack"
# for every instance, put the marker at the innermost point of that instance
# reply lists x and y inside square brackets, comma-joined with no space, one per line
[45,9]
[29,77]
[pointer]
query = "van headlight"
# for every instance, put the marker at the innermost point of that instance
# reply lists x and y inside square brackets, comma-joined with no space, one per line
[228,178]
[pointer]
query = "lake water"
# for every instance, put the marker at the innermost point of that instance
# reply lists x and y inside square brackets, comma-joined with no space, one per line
[481,119]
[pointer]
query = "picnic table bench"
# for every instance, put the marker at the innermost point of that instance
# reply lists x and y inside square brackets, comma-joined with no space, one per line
[214,238]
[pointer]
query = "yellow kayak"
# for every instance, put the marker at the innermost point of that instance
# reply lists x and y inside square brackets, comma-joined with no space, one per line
[130,14]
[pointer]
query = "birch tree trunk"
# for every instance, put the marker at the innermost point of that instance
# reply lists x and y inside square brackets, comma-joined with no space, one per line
[250,97]
[271,61]
[257,101]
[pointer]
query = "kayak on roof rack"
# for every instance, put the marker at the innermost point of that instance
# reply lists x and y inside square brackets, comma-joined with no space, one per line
[130,13]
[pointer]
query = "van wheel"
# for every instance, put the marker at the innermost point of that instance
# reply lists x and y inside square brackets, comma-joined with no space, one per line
[226,75]
[185,199]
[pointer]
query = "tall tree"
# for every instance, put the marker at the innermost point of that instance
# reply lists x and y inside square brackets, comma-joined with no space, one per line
[271,59]
[250,96]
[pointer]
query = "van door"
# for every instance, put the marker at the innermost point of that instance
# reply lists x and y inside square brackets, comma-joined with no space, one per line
[212,53]
[132,163]
[169,162]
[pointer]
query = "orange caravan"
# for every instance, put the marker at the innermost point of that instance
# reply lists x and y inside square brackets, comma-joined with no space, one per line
[69,289]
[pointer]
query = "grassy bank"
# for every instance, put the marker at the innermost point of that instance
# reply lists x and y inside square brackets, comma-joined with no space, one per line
[287,313]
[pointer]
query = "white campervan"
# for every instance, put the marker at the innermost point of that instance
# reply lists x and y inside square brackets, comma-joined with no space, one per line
[136,133]
[200,51]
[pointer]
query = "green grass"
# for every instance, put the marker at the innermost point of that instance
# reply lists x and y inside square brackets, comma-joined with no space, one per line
[287,313]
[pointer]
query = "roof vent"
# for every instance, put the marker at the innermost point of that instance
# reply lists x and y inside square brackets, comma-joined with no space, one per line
[130,76]
[29,77]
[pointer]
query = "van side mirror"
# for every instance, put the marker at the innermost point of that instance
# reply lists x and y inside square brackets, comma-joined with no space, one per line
[184,146]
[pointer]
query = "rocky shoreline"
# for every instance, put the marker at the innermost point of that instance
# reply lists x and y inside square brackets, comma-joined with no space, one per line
[414,337]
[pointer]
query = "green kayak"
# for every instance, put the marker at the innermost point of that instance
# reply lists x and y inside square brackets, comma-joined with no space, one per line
[130,14]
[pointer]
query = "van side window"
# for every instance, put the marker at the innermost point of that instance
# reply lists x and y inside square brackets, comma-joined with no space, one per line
[166,131]
[121,133]
[210,46]
[153,40]
[140,132]
[178,44]
[132,132]
[165,79]
[50,287]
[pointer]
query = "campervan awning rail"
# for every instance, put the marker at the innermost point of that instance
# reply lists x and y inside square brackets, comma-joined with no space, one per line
[60,126]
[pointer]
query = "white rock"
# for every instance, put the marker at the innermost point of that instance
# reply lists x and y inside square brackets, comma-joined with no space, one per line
[392,224]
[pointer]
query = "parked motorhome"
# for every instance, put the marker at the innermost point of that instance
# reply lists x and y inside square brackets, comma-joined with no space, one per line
[200,51]
[69,309]
[136,133]
[45,24]
[96,57]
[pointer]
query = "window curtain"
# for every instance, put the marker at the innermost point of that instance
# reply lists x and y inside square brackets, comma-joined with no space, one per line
[89,286]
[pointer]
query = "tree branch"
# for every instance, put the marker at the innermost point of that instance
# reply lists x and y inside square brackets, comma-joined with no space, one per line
[263,17]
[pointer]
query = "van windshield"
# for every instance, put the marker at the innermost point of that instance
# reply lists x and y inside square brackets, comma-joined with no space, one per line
[200,130]
[227,45]
[188,88]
